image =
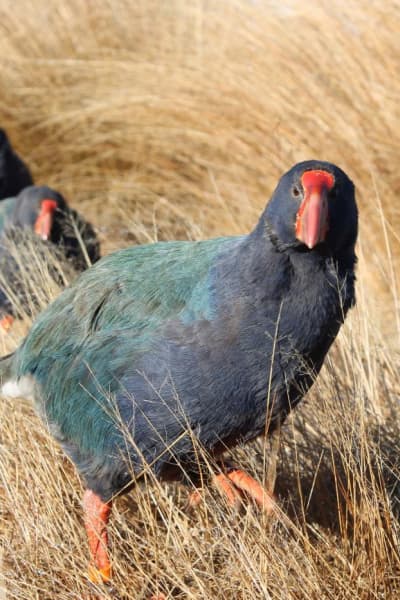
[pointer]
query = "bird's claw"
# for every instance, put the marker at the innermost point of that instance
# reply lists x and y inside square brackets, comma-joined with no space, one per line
[97,575]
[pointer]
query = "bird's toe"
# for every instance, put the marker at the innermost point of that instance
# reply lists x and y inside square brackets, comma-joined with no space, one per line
[245,483]
[99,575]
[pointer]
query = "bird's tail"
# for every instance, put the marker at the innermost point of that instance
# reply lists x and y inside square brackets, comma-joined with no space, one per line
[8,385]
[6,368]
[11,385]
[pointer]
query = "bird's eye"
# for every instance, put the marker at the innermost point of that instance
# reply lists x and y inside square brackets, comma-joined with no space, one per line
[296,191]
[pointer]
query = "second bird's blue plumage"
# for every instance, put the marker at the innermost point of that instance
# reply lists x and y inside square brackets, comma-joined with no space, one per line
[14,173]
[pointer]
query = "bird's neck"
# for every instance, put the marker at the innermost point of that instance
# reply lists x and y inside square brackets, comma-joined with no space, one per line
[271,267]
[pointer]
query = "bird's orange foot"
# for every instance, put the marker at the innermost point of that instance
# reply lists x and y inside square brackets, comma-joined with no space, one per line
[234,484]
[224,486]
[97,575]
[232,495]
[194,499]
[247,484]
[6,323]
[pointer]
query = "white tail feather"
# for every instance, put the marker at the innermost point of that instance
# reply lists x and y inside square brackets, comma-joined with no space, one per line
[19,388]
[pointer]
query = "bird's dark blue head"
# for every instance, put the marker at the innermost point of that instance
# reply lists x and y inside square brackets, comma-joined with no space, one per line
[14,174]
[42,209]
[4,142]
[313,208]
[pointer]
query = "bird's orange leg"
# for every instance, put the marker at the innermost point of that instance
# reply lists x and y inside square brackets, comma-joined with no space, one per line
[246,483]
[96,515]
[6,323]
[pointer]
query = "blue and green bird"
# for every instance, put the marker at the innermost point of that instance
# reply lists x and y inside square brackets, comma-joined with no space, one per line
[160,348]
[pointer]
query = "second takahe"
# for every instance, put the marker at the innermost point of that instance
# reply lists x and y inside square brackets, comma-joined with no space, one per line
[35,225]
[215,341]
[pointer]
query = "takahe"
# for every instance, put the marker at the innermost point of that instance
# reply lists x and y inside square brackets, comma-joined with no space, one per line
[59,229]
[215,341]
[14,174]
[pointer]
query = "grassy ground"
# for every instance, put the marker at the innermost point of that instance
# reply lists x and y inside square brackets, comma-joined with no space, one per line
[163,120]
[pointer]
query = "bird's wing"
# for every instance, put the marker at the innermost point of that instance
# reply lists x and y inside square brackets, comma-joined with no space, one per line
[85,342]
[132,292]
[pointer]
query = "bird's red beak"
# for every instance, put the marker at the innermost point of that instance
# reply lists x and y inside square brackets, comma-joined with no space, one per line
[44,222]
[312,220]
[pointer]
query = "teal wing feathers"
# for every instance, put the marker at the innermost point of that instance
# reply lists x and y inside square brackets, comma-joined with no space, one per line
[134,289]
[120,304]
[97,329]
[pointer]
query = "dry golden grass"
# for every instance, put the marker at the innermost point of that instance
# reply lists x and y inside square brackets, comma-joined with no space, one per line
[174,119]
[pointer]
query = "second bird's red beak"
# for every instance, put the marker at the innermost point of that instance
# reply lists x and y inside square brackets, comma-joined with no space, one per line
[312,220]
[44,222]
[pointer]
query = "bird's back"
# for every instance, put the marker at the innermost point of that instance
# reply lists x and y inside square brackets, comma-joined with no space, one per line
[6,210]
